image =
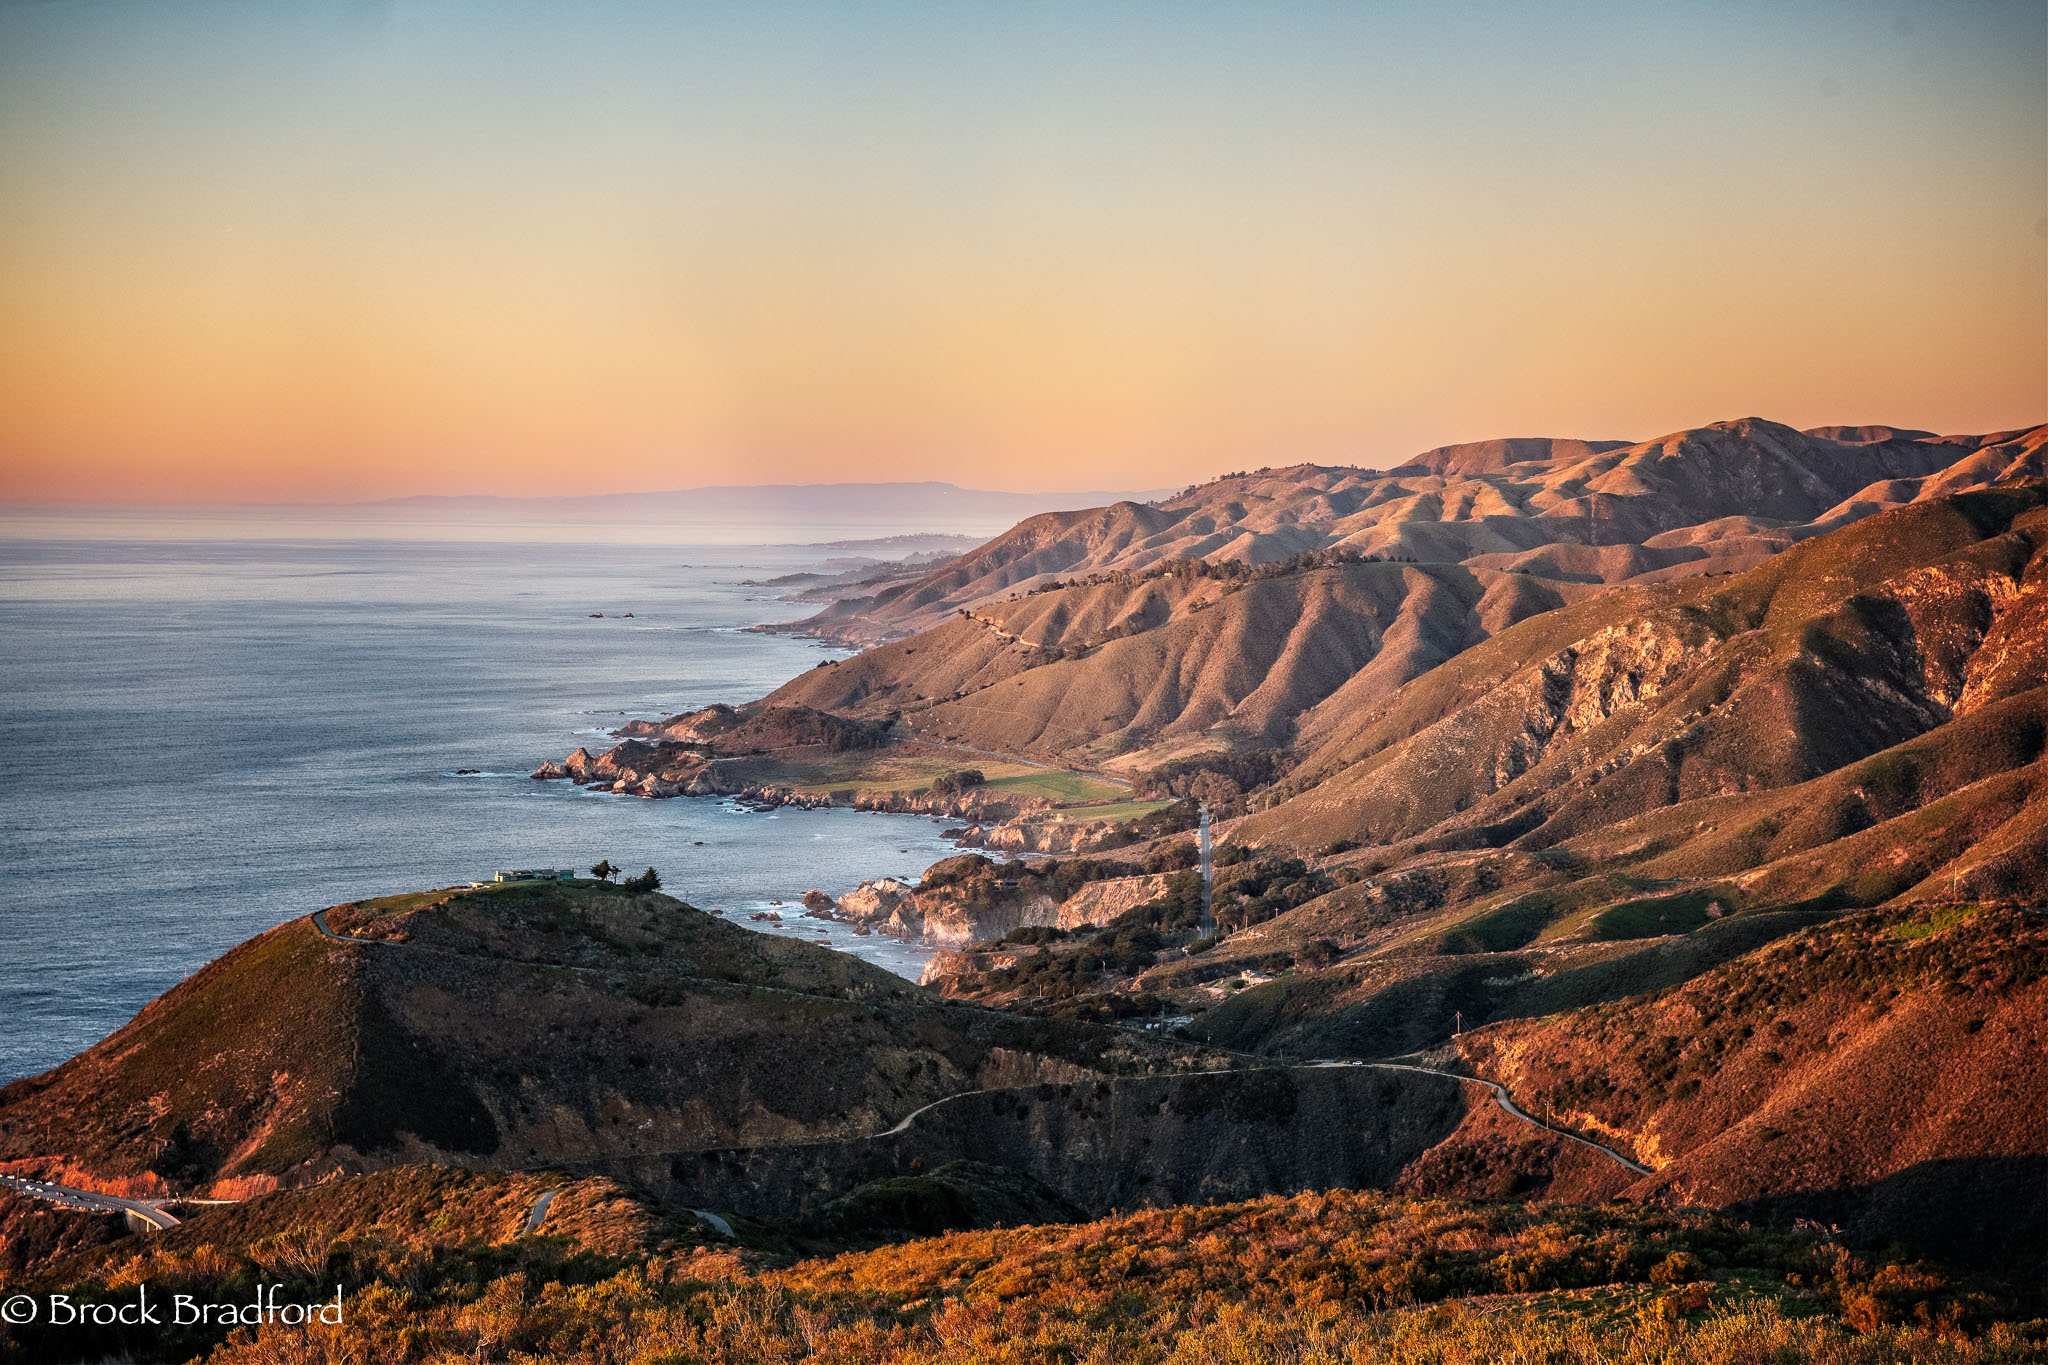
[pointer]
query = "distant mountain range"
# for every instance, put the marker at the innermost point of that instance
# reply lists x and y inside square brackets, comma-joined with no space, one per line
[879,519]
[775,511]
[1569,512]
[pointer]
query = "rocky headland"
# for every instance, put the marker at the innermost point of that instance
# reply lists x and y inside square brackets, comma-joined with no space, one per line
[694,754]
[970,899]
[512,1026]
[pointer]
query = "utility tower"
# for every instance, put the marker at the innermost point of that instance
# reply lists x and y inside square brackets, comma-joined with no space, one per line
[1207,924]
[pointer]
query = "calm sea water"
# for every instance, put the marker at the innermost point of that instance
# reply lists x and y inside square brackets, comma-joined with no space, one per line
[203,739]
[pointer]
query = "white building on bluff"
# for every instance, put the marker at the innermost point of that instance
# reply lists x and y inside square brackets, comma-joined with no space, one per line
[533,874]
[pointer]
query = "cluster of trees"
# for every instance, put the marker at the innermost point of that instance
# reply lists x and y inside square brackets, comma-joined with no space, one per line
[650,880]
[958,781]
[981,881]
[1116,950]
[1251,887]
[1173,819]
[1219,781]
[1237,571]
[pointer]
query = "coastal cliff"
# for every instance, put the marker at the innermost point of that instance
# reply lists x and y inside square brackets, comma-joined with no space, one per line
[970,899]
[517,1025]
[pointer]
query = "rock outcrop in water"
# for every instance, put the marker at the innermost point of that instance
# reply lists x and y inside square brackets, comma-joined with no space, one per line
[681,756]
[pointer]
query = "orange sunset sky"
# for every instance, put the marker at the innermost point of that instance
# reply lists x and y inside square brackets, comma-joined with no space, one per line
[351,250]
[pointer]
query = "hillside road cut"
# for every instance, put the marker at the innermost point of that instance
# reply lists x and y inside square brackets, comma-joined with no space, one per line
[90,1201]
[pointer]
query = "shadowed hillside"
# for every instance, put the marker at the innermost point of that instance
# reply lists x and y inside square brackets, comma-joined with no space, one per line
[510,1027]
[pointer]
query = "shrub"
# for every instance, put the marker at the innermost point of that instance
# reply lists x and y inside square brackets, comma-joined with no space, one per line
[1680,1267]
[957,781]
[1320,952]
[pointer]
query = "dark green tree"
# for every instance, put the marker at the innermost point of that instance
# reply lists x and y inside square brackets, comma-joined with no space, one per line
[650,880]
[604,871]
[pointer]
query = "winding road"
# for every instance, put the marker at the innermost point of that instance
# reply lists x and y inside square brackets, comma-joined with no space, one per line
[1500,1094]
[91,1201]
[1507,1103]
[153,1214]
[1499,1091]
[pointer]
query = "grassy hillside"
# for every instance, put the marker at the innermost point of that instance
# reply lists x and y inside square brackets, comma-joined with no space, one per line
[514,1026]
[1091,673]
[246,1065]
[1837,650]
[1884,1072]
[1341,1276]
[1710,499]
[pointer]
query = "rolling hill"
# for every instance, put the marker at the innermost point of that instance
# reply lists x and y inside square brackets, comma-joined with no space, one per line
[1704,500]
[1884,1073]
[1623,793]
[510,1027]
[1128,671]
[1283,608]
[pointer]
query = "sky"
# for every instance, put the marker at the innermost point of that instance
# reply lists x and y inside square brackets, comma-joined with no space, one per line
[342,250]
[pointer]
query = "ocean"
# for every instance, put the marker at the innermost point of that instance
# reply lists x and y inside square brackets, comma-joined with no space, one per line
[206,737]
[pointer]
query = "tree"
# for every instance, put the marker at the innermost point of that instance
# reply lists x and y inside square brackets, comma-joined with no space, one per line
[604,871]
[650,880]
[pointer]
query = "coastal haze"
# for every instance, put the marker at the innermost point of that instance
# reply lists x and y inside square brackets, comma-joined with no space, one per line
[850,520]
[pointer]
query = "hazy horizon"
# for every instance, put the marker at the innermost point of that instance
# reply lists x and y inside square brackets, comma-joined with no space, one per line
[1044,499]
[343,251]
[819,514]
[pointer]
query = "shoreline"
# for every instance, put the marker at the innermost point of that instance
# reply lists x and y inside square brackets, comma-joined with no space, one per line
[996,827]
